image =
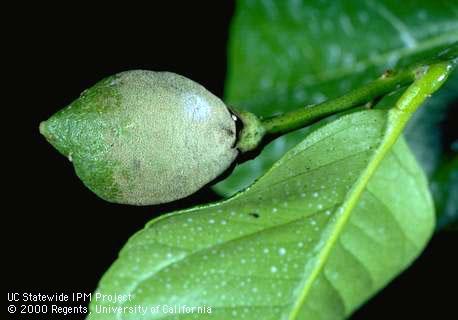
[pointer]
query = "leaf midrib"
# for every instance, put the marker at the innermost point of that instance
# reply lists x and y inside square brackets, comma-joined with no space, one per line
[350,202]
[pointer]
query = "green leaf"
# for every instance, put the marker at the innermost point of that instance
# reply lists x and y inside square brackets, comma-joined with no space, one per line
[325,228]
[286,54]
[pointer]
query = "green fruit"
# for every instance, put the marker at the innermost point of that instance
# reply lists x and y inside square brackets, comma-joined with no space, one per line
[144,137]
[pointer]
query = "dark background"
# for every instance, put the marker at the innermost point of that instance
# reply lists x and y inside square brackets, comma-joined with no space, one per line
[59,236]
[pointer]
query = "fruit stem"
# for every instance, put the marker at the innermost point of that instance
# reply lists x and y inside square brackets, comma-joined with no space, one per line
[299,118]
[255,130]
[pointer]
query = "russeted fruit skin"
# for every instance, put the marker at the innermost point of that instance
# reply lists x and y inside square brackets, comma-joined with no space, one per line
[143,137]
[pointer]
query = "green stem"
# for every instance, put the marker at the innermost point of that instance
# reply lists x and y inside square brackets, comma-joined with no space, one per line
[255,129]
[429,79]
[299,118]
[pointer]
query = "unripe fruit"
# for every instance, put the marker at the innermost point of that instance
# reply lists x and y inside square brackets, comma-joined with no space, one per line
[144,137]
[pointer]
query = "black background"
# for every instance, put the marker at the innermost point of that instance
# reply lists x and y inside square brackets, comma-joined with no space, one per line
[59,237]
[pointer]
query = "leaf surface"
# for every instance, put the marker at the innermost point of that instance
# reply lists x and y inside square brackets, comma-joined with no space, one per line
[324,229]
